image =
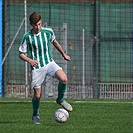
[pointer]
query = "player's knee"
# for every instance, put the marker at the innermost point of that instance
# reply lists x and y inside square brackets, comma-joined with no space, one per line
[37,96]
[64,80]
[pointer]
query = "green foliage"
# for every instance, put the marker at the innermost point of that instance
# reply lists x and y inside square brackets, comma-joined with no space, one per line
[88,116]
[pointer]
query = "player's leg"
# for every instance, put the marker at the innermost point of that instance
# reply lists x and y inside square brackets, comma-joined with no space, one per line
[55,71]
[38,77]
[36,101]
[61,76]
[36,106]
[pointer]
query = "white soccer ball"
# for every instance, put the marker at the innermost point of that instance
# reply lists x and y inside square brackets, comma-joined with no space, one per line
[61,115]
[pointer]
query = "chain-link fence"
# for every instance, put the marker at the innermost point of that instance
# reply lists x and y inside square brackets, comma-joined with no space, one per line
[97,35]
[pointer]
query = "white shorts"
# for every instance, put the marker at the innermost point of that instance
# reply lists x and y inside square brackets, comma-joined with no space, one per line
[39,75]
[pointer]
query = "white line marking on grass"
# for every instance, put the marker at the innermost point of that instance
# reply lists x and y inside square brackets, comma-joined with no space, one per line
[97,102]
[25,101]
[112,102]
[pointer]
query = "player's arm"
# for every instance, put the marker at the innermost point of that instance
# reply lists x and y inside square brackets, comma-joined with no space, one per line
[27,59]
[23,53]
[59,48]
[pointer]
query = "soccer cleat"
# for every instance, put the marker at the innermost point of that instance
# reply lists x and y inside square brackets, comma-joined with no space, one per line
[36,119]
[65,105]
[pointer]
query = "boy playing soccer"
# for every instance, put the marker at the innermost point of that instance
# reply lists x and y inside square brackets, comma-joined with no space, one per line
[36,43]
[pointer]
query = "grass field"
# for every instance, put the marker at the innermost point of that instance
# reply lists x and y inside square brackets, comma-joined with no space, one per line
[88,116]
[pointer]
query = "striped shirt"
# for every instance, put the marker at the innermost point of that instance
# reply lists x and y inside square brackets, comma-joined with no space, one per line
[37,46]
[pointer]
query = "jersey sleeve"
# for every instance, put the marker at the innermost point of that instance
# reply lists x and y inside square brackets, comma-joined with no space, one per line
[52,36]
[23,45]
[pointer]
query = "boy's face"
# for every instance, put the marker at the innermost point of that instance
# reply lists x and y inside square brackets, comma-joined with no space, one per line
[37,26]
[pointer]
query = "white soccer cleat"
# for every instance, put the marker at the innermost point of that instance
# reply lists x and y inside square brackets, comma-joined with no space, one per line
[65,105]
[35,120]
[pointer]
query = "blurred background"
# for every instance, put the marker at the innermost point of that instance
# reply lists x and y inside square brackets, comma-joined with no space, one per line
[97,34]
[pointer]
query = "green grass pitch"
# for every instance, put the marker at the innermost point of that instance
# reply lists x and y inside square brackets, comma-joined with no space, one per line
[88,116]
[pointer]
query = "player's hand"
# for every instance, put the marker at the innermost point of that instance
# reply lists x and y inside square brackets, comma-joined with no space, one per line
[33,62]
[66,57]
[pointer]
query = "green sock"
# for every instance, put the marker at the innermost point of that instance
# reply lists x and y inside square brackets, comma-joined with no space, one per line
[61,91]
[36,106]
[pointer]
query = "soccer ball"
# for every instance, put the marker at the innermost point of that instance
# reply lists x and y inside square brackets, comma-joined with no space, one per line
[61,115]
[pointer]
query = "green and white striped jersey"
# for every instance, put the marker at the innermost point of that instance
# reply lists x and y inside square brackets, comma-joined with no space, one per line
[37,46]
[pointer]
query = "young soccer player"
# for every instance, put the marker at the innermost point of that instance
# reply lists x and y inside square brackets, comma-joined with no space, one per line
[36,43]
